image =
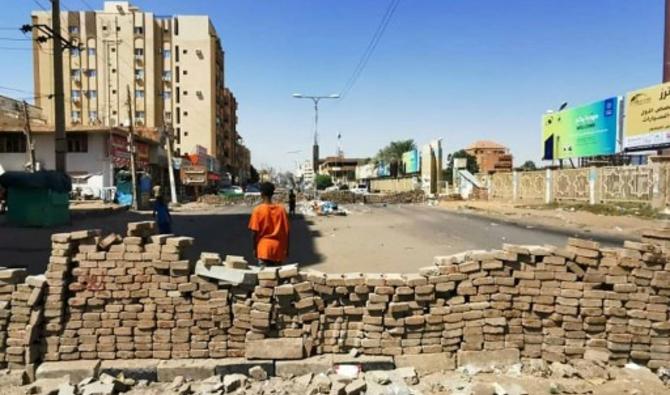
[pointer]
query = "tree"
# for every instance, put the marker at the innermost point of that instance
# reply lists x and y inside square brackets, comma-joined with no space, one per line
[323,181]
[394,150]
[471,164]
[528,165]
[254,177]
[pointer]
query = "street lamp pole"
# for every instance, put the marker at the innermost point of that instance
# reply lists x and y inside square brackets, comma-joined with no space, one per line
[315,147]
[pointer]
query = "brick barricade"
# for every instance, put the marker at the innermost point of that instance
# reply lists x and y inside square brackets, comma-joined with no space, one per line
[132,297]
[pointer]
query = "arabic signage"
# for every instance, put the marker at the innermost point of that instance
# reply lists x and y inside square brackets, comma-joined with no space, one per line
[364,172]
[193,175]
[584,131]
[120,153]
[383,169]
[647,121]
[410,160]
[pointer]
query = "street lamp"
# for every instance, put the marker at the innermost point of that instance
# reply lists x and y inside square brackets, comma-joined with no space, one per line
[315,148]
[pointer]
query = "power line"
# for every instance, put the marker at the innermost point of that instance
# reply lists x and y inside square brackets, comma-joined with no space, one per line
[37,2]
[15,39]
[369,50]
[6,88]
[15,49]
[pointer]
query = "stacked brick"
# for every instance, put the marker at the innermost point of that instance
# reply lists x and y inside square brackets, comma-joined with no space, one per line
[136,296]
[9,280]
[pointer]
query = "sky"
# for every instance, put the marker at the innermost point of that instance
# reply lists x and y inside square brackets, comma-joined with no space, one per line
[460,70]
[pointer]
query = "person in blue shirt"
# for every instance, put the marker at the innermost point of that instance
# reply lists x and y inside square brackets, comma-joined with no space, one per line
[162,215]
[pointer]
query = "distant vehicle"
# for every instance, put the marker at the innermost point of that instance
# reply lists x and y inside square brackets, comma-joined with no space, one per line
[232,190]
[332,188]
[252,190]
[361,189]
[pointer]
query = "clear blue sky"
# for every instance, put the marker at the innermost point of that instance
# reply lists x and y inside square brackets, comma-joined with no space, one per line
[456,69]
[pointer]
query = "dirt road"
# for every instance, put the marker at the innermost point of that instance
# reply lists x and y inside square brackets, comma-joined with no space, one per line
[396,238]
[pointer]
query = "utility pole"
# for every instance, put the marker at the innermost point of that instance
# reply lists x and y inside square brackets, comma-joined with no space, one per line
[29,137]
[131,147]
[169,136]
[59,99]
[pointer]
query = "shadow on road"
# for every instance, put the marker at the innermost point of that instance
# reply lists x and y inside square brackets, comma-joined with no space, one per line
[225,233]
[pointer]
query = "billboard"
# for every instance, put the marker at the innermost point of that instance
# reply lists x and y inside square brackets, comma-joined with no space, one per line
[365,172]
[410,160]
[647,121]
[588,130]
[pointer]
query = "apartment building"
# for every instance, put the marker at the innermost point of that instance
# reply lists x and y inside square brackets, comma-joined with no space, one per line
[173,67]
[230,137]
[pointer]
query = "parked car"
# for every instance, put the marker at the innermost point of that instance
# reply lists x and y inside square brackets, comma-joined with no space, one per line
[232,190]
[361,189]
[252,190]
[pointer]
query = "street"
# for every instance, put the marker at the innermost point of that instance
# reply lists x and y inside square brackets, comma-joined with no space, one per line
[394,238]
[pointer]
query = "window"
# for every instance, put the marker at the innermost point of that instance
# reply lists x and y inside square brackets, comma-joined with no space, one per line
[139,115]
[74,52]
[104,28]
[167,54]
[76,116]
[139,74]
[73,29]
[93,116]
[76,94]
[139,51]
[186,113]
[185,133]
[92,94]
[185,72]
[113,49]
[176,51]
[138,30]
[77,142]
[91,52]
[76,74]
[139,94]
[168,116]
[118,28]
[185,93]
[12,143]
[177,70]
[113,71]
[91,72]
[185,51]
[167,75]
[167,95]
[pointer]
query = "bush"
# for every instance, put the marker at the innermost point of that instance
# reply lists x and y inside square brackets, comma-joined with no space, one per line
[323,181]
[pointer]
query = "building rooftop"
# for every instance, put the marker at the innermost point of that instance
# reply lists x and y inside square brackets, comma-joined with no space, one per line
[483,144]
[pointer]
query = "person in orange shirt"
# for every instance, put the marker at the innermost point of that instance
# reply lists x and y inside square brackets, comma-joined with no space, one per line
[270,229]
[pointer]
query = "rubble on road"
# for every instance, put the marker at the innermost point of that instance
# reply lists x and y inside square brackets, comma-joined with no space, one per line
[554,378]
[347,197]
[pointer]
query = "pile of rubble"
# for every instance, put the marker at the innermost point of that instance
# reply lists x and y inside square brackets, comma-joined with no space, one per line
[531,376]
[347,197]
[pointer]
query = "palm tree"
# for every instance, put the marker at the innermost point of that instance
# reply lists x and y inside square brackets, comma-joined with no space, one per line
[393,152]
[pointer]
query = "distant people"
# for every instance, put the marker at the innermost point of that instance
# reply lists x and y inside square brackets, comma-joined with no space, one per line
[270,229]
[162,215]
[291,202]
[157,191]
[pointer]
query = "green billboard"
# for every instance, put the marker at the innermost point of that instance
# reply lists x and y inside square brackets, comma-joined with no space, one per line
[584,131]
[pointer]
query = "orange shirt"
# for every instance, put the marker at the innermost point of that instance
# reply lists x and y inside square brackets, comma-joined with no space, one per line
[270,223]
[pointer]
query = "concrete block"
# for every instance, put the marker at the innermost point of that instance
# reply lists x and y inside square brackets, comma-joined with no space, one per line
[77,370]
[367,362]
[488,359]
[136,369]
[317,364]
[242,366]
[426,363]
[194,369]
[228,275]
[280,349]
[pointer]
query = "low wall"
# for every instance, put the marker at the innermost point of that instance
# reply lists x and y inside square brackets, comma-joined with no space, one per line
[393,185]
[136,297]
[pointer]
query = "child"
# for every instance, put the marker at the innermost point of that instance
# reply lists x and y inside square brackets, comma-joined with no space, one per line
[162,215]
[270,229]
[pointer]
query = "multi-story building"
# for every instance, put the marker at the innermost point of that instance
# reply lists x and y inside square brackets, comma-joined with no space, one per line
[490,156]
[230,137]
[172,66]
[242,163]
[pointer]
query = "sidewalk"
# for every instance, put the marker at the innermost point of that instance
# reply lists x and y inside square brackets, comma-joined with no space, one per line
[599,226]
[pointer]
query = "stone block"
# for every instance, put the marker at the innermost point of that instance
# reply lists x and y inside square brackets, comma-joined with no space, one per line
[317,364]
[77,370]
[426,363]
[280,349]
[487,359]
[194,369]
[367,362]
[241,366]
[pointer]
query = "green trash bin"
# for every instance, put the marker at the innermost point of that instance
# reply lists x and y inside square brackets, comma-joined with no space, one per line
[39,207]
[37,199]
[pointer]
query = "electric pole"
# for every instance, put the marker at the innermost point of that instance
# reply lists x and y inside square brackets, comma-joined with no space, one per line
[169,137]
[59,98]
[131,147]
[29,137]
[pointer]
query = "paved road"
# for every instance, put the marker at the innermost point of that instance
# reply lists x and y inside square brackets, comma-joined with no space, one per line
[390,239]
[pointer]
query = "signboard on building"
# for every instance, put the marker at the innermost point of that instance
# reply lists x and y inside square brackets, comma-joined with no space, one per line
[383,170]
[411,163]
[120,153]
[647,121]
[193,175]
[584,131]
